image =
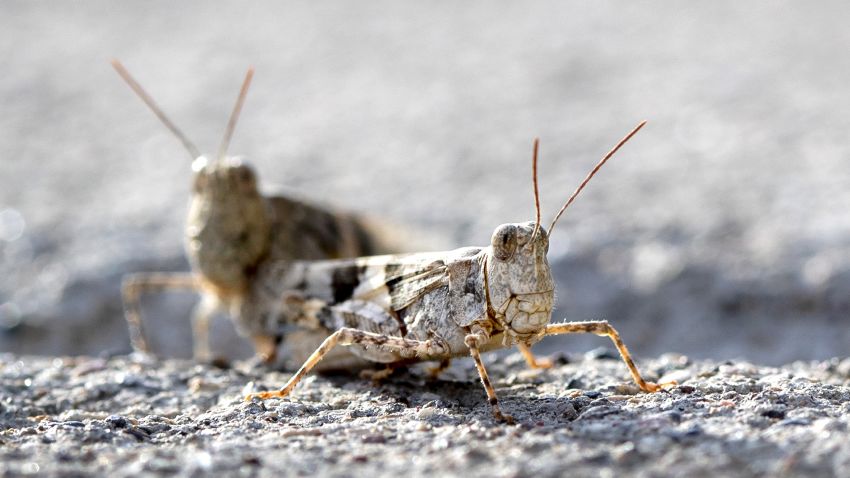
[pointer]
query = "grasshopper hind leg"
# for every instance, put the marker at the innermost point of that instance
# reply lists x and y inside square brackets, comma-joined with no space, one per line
[602,328]
[349,336]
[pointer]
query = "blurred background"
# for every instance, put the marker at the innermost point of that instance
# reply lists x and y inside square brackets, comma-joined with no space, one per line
[721,230]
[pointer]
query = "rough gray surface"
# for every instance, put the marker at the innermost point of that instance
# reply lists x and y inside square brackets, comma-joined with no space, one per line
[119,417]
[720,231]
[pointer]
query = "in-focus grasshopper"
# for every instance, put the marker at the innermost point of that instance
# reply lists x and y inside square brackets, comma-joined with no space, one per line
[436,306]
[232,232]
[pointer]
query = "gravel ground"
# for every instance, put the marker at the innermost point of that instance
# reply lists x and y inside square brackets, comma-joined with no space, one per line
[123,417]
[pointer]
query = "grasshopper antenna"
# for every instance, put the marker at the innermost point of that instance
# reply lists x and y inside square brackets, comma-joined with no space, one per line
[234,116]
[536,191]
[137,88]
[593,171]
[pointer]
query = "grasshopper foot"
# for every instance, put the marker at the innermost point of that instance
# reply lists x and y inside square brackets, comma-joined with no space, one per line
[652,387]
[503,417]
[534,362]
[265,395]
[543,363]
[143,356]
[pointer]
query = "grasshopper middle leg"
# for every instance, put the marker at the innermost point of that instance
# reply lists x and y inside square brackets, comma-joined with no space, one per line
[602,328]
[434,372]
[349,336]
[377,376]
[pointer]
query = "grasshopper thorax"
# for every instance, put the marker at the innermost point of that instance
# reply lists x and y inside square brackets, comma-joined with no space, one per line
[520,289]
[227,230]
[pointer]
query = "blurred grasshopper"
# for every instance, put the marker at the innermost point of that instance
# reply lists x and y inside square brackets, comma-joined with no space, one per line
[436,306]
[232,232]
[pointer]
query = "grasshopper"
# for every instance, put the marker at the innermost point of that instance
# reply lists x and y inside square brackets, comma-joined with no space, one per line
[232,231]
[437,306]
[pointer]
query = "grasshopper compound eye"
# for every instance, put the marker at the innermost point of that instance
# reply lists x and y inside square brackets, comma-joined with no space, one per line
[533,236]
[241,174]
[245,176]
[504,241]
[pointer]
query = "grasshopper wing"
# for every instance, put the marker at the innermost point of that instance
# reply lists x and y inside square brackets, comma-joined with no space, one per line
[407,283]
[402,283]
[411,287]
[393,282]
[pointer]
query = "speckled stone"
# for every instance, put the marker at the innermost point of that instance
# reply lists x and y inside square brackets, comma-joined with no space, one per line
[71,416]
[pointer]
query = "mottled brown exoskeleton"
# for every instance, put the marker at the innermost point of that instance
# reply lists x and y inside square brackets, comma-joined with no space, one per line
[232,232]
[437,306]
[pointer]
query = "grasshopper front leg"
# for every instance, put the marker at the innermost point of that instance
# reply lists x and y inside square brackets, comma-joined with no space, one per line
[201,315]
[602,328]
[532,361]
[134,285]
[474,341]
[349,336]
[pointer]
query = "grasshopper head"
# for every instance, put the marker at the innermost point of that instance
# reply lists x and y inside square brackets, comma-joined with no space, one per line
[519,281]
[518,278]
[227,230]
